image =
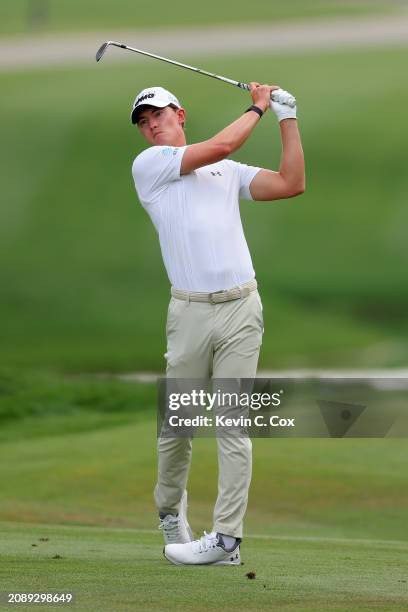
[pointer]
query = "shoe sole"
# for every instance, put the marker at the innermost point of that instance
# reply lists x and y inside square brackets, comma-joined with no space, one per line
[226,563]
[222,562]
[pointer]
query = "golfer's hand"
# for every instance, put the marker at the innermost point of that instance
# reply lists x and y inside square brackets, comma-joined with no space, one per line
[282,110]
[261,94]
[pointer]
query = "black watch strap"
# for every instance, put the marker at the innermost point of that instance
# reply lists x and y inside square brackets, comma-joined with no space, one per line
[256,109]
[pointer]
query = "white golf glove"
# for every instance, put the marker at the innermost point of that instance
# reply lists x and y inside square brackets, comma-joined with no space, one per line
[282,110]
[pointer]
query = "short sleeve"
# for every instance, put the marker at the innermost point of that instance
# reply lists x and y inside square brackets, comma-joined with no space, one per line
[246,174]
[154,168]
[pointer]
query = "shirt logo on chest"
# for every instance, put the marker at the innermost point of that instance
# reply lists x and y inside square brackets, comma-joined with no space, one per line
[216,173]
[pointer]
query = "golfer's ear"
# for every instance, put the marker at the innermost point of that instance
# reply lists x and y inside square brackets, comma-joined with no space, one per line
[181,114]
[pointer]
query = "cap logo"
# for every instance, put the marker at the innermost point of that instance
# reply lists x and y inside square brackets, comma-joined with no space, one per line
[141,98]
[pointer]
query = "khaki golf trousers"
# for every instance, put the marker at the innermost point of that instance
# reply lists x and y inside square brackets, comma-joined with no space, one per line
[223,341]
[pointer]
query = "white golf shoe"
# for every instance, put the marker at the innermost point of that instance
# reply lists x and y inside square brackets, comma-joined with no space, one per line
[208,550]
[176,529]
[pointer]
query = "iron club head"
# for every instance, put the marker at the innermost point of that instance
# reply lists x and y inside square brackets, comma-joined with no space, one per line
[101,51]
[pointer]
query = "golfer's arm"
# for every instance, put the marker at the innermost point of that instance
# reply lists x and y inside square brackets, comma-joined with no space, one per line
[290,180]
[221,145]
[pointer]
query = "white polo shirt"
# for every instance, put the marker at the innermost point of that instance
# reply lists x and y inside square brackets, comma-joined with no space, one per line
[197,218]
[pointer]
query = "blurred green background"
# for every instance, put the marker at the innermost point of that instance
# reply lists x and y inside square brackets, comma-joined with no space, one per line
[22,16]
[83,285]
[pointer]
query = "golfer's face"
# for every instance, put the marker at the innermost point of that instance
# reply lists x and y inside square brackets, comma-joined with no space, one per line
[160,126]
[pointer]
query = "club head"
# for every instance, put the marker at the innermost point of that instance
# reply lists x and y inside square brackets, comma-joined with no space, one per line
[101,51]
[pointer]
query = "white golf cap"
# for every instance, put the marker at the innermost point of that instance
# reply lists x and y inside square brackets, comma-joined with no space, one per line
[153,96]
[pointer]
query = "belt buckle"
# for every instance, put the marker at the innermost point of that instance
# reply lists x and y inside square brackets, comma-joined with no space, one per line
[213,294]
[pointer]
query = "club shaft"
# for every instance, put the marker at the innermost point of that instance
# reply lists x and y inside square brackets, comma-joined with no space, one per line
[170,61]
[244,86]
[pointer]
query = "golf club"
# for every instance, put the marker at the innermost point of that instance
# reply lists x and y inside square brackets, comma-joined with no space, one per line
[290,101]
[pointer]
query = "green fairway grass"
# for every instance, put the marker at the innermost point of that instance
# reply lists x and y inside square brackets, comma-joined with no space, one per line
[325,528]
[38,16]
[83,285]
[97,467]
[122,569]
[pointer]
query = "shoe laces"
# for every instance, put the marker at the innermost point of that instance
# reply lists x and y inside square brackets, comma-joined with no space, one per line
[207,541]
[170,526]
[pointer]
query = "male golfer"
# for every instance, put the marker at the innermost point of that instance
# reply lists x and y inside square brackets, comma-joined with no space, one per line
[214,323]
